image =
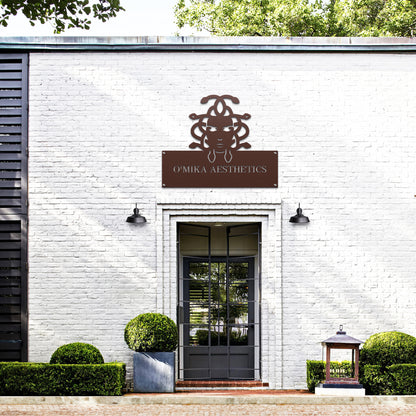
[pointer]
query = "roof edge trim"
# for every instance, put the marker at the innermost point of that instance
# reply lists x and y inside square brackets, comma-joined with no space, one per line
[207,44]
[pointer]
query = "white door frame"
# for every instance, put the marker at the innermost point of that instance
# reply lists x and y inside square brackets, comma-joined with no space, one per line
[269,215]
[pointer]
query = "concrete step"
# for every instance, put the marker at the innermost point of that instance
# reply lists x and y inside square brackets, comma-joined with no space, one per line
[220,384]
[220,389]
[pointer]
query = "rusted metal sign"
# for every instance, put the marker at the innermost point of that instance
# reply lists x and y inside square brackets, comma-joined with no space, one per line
[257,169]
[219,135]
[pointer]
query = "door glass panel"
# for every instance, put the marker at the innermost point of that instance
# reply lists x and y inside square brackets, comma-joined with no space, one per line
[219,314]
[218,294]
[199,335]
[199,271]
[238,293]
[198,314]
[218,273]
[238,335]
[218,303]
[198,291]
[219,337]
[238,314]
[238,272]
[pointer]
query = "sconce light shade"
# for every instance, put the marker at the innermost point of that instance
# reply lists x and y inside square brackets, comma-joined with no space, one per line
[299,218]
[136,218]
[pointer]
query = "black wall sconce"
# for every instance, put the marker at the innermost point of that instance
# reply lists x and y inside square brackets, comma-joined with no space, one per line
[299,218]
[136,218]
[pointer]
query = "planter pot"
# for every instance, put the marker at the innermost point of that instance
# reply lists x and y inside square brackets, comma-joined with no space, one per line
[154,372]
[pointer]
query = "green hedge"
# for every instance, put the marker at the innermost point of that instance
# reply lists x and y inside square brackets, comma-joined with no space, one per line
[315,371]
[396,379]
[404,378]
[41,379]
[375,380]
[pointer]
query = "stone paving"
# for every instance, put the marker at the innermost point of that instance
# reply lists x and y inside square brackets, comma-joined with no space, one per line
[208,410]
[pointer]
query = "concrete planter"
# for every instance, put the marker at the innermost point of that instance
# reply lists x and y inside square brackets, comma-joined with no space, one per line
[154,372]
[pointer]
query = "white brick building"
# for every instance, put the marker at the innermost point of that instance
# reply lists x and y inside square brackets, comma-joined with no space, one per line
[340,112]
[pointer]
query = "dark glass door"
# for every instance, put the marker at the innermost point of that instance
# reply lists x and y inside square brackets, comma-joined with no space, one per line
[218,318]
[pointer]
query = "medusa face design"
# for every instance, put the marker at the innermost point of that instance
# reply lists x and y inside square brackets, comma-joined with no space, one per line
[219,131]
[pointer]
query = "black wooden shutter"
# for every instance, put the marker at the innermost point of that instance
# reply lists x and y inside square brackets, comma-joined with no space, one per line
[13,206]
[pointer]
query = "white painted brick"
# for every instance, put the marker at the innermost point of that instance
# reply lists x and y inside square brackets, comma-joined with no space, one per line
[344,127]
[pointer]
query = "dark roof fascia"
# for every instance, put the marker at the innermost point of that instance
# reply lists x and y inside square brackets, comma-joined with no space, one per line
[187,44]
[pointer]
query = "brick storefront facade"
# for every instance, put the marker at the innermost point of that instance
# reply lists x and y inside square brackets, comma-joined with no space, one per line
[344,125]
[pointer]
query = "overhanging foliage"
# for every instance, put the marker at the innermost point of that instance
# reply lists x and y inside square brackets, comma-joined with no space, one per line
[299,18]
[63,14]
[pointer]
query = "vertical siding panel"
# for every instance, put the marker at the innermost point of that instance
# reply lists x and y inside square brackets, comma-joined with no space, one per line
[13,206]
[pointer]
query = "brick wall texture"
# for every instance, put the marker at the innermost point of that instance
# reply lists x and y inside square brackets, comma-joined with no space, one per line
[344,126]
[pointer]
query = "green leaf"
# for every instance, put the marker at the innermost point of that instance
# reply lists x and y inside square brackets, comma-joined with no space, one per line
[298,18]
[62,14]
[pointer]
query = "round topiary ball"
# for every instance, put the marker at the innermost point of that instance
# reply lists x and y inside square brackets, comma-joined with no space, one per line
[77,353]
[151,332]
[387,348]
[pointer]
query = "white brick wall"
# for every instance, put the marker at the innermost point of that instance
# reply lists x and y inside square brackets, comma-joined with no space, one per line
[344,127]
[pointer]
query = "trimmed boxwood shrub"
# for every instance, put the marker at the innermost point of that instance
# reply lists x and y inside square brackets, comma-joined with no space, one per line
[388,348]
[396,379]
[315,371]
[151,332]
[388,362]
[77,353]
[375,380]
[41,379]
[403,378]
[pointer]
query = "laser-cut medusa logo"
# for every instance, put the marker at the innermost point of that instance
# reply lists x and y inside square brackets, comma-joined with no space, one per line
[219,131]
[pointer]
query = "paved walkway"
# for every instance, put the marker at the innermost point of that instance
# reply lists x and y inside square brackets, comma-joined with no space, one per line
[208,410]
[218,403]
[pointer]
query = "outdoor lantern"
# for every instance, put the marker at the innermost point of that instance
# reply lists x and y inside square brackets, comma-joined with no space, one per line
[342,341]
[299,218]
[136,218]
